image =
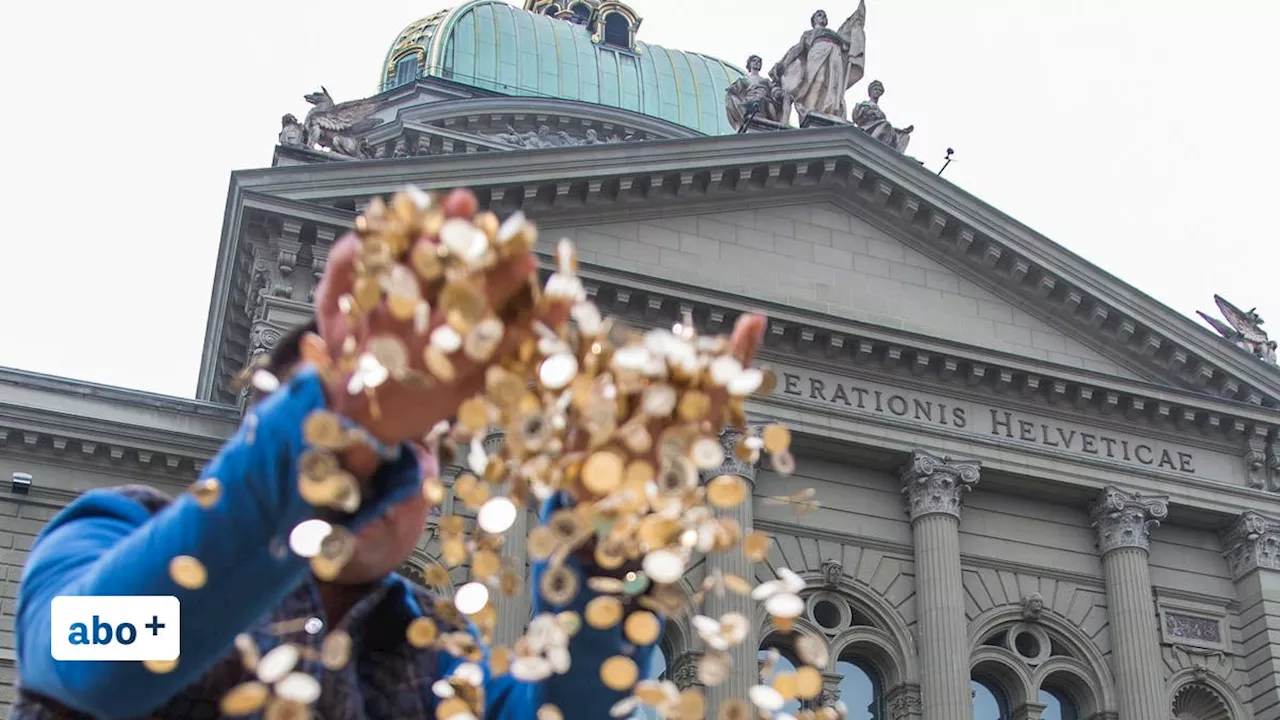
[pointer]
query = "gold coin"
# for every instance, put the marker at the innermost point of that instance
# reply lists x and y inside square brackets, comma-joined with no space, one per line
[777,438]
[464,299]
[439,364]
[485,564]
[425,258]
[335,651]
[768,383]
[542,542]
[692,705]
[642,628]
[280,709]
[499,661]
[433,490]
[755,546]
[482,341]
[160,667]
[602,472]
[503,386]
[785,684]
[367,293]
[726,491]
[245,699]
[453,552]
[473,414]
[812,650]
[207,492]
[564,525]
[619,673]
[188,572]
[559,585]
[808,683]
[322,429]
[453,707]
[734,709]
[421,632]
[736,584]
[603,612]
[550,712]
[436,575]
[694,406]
[650,692]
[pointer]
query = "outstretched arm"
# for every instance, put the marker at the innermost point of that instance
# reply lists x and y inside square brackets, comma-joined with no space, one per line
[107,544]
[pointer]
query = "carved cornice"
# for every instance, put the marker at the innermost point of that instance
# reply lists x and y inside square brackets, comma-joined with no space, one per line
[904,703]
[732,465]
[1252,543]
[684,670]
[884,184]
[1124,519]
[936,484]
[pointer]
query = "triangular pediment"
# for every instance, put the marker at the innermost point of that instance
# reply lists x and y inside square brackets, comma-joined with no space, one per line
[817,256]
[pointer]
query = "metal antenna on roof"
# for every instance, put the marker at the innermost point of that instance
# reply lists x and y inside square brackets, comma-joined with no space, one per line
[950,152]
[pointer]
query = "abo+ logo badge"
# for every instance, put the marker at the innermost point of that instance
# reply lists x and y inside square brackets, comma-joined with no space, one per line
[115,628]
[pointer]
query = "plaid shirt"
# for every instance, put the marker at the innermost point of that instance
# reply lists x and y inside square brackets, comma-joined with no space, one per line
[386,678]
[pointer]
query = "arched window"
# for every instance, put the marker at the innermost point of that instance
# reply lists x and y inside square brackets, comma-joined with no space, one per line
[988,702]
[860,689]
[784,664]
[581,13]
[407,70]
[617,31]
[1057,706]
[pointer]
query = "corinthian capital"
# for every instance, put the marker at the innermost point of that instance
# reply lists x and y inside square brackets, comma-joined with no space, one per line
[1124,519]
[1252,543]
[731,437]
[936,483]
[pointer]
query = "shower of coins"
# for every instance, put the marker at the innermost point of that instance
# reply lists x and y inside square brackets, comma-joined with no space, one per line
[625,423]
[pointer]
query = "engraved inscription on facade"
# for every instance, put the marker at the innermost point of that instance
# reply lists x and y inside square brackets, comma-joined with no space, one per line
[1190,627]
[992,423]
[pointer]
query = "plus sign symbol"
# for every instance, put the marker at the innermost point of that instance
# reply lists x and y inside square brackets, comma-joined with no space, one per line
[115,628]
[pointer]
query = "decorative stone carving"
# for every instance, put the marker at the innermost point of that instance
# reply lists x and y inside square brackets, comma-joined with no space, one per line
[753,96]
[263,339]
[1255,460]
[936,483]
[868,116]
[543,137]
[816,72]
[1032,607]
[1191,627]
[827,697]
[832,571]
[335,126]
[904,703]
[732,465]
[1124,519]
[1245,330]
[292,134]
[1206,663]
[1252,543]
[684,670]
[1195,701]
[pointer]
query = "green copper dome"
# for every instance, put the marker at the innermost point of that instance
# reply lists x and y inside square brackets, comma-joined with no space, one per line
[492,45]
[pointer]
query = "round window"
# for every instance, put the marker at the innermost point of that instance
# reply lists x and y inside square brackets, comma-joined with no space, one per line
[827,614]
[1031,643]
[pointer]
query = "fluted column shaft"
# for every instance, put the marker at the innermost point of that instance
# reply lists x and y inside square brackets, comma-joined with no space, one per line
[934,487]
[1123,521]
[734,562]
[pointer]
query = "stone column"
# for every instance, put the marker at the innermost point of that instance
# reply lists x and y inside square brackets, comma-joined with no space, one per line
[1029,711]
[1252,547]
[745,673]
[934,486]
[903,702]
[1123,521]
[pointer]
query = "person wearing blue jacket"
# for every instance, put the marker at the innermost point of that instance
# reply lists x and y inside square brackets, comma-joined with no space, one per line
[121,541]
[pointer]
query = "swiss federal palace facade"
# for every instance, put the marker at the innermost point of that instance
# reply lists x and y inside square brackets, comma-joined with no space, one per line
[1043,493]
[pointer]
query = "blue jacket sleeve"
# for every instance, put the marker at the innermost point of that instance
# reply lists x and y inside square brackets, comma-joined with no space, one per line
[106,544]
[580,694]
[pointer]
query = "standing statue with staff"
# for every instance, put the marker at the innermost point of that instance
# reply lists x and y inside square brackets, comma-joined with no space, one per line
[816,72]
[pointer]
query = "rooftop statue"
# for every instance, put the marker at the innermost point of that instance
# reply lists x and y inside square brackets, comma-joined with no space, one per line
[1245,330]
[753,95]
[335,126]
[291,131]
[868,116]
[816,72]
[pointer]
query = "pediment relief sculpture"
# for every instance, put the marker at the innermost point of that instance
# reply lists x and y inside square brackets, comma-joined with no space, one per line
[753,96]
[544,137]
[1244,329]
[817,72]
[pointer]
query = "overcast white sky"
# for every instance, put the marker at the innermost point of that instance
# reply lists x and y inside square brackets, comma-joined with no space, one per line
[1141,134]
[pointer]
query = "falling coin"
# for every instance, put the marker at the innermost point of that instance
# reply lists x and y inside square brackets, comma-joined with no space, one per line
[642,628]
[207,491]
[619,673]
[734,709]
[278,662]
[603,612]
[726,491]
[322,429]
[808,682]
[559,585]
[160,667]
[298,687]
[602,472]
[245,699]
[421,632]
[777,438]
[755,546]
[335,651]
[188,572]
